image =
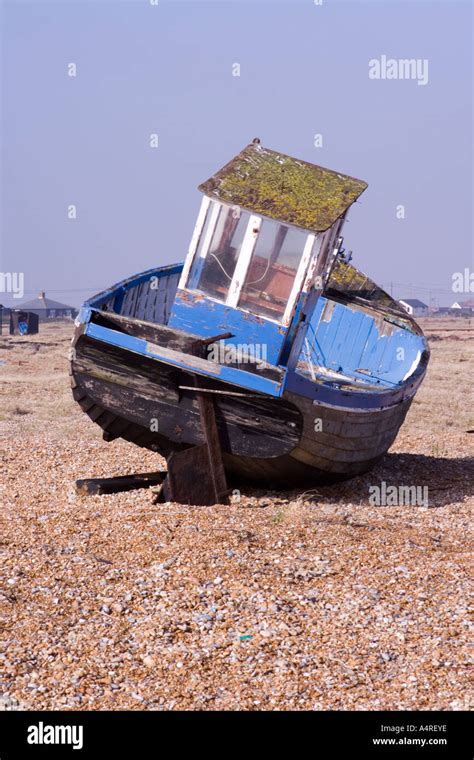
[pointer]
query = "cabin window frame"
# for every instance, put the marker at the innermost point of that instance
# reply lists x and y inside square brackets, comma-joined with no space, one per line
[193,245]
[303,278]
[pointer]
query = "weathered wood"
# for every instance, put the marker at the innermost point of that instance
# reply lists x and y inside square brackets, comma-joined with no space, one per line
[122,483]
[141,391]
[206,427]
[381,417]
[189,479]
[209,426]
[220,392]
[159,291]
[196,475]
[329,465]
[140,328]
[354,454]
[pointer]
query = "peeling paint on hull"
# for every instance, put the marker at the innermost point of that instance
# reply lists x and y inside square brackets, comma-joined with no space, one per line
[272,440]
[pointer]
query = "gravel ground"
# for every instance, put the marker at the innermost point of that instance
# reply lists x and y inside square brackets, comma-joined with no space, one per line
[291,600]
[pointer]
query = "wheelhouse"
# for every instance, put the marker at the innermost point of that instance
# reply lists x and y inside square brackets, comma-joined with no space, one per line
[266,233]
[250,262]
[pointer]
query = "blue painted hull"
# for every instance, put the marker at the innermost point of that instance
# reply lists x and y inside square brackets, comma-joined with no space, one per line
[133,374]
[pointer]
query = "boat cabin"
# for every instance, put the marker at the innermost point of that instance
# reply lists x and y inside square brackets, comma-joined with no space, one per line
[267,230]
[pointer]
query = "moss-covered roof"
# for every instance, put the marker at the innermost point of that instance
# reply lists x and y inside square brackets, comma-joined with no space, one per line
[284,188]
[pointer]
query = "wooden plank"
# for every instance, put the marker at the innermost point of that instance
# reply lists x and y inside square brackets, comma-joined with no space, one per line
[348,469]
[140,328]
[189,479]
[119,484]
[136,375]
[219,392]
[197,475]
[179,360]
[247,426]
[311,409]
[341,440]
[211,435]
[352,451]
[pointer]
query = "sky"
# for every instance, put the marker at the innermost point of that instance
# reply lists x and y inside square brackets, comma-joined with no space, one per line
[168,68]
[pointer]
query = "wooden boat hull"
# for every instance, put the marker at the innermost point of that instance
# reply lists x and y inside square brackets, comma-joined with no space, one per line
[279,441]
[300,455]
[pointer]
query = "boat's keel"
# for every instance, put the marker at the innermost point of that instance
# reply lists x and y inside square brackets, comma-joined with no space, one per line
[193,479]
[196,475]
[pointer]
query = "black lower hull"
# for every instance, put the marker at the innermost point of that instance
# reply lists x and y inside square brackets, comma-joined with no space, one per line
[275,442]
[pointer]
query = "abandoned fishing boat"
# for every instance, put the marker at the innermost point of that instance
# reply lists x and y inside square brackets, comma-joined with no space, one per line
[266,355]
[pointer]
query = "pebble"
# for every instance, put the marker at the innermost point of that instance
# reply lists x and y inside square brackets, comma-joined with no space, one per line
[317,601]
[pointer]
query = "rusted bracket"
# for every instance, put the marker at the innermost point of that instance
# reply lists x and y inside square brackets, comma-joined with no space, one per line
[198,345]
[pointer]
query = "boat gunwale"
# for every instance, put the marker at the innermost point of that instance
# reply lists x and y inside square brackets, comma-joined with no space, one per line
[328,393]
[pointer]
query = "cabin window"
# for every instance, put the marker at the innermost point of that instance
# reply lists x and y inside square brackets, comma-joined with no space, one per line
[248,261]
[213,272]
[272,270]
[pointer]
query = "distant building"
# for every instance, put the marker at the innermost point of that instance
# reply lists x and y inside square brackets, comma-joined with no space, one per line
[46,308]
[454,311]
[414,307]
[463,309]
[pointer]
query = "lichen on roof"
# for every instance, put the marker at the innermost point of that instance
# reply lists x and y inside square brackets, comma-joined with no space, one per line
[281,187]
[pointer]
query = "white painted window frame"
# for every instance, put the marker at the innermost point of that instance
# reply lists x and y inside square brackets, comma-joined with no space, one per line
[190,274]
[318,251]
[196,271]
[299,278]
[243,263]
[205,203]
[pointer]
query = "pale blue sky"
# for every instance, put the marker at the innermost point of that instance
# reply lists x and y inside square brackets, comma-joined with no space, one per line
[168,69]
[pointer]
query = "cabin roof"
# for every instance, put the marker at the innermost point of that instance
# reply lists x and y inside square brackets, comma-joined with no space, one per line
[284,188]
